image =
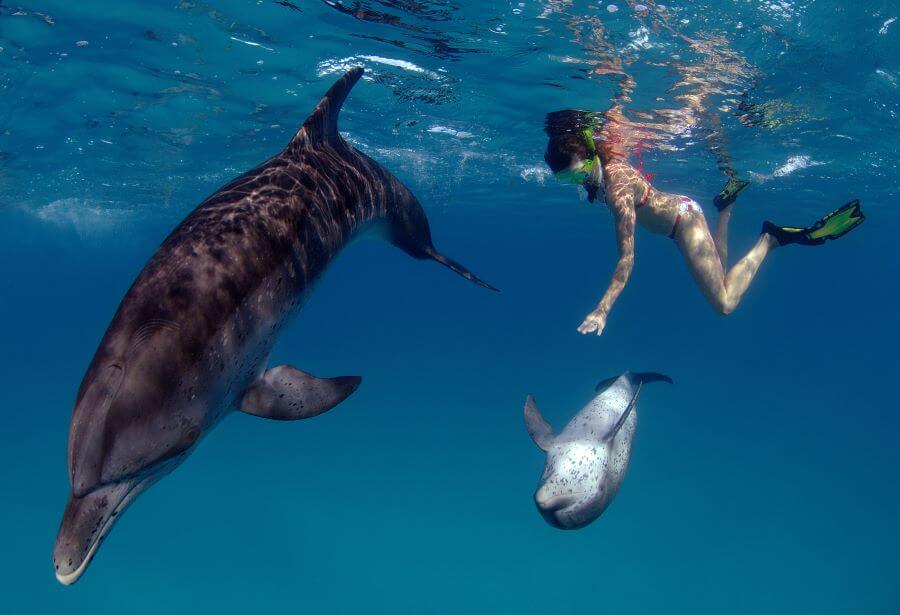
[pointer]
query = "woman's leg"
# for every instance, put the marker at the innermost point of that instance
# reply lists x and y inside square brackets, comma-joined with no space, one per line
[724,202]
[722,234]
[723,290]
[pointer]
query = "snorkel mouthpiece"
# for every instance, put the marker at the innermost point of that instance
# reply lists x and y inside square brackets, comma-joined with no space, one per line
[589,173]
[576,176]
[594,181]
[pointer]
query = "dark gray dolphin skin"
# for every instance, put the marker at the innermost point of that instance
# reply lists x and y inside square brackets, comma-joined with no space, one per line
[191,338]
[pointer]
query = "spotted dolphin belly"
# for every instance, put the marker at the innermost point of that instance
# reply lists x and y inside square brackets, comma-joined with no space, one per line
[237,356]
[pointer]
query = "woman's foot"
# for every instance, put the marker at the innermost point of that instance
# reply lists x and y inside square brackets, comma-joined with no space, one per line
[729,192]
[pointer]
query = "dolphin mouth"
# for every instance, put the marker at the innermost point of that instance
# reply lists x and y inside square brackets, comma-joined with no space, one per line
[558,518]
[564,518]
[557,510]
[86,522]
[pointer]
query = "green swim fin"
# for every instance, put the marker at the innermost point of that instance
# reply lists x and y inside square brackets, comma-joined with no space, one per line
[729,192]
[836,224]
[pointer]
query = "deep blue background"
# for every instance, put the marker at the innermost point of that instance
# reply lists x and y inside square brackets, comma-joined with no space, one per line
[766,480]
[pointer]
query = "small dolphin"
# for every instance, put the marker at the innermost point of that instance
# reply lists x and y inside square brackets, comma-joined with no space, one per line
[191,338]
[587,461]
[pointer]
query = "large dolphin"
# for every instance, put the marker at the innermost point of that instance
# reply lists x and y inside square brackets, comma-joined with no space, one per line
[586,462]
[191,338]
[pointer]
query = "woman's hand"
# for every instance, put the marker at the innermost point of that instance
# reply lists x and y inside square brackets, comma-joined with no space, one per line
[594,322]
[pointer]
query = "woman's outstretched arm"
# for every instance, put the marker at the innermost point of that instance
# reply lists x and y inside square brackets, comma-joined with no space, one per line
[623,211]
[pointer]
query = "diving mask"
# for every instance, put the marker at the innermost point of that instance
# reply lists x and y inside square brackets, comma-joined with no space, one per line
[589,173]
[580,174]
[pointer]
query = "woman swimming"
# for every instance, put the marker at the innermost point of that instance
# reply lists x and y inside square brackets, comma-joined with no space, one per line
[583,149]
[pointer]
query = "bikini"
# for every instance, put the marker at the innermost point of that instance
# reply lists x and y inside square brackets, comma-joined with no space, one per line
[687,206]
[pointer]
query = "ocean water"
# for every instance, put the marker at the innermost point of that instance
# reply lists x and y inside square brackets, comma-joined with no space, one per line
[767,479]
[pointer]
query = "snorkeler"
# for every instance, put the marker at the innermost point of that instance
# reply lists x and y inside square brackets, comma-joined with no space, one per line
[581,150]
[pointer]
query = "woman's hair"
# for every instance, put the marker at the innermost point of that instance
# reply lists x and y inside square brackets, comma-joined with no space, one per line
[567,142]
[565,149]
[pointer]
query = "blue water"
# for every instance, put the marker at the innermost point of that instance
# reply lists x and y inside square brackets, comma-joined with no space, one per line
[767,480]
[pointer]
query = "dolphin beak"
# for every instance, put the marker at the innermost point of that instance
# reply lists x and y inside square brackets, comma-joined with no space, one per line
[86,522]
[548,505]
[459,269]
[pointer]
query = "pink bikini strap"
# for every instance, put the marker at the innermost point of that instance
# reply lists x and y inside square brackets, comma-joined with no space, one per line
[645,199]
[675,226]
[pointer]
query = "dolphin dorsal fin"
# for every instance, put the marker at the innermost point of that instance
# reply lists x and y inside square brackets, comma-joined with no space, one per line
[321,125]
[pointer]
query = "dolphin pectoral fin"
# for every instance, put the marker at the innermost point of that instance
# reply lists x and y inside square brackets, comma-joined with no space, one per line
[538,428]
[284,393]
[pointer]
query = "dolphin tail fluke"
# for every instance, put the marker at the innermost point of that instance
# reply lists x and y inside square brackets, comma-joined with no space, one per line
[453,265]
[647,377]
[321,125]
[636,377]
[285,393]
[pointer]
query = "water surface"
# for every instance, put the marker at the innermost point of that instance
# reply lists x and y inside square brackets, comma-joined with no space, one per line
[766,480]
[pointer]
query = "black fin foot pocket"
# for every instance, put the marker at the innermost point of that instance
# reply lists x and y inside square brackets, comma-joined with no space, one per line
[730,192]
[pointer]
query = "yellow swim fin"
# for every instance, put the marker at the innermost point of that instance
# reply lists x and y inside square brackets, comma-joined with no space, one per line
[836,224]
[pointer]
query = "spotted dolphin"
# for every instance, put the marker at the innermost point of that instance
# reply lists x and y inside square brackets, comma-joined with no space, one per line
[191,337]
[586,463]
